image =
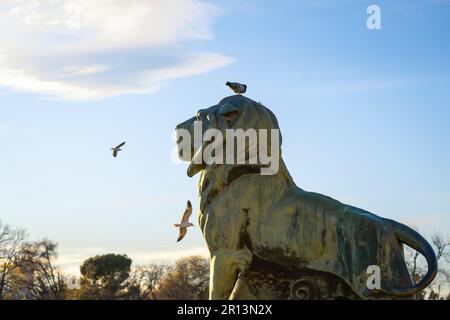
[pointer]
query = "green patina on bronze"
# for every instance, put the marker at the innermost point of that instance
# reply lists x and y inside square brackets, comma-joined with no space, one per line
[269,239]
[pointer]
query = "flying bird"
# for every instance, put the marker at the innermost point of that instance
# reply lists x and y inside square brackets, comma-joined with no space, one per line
[238,88]
[184,221]
[116,149]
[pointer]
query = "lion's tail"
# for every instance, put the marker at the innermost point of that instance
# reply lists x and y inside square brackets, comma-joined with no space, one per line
[414,240]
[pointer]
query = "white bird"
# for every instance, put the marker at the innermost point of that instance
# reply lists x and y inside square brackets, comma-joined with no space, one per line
[116,149]
[238,88]
[184,221]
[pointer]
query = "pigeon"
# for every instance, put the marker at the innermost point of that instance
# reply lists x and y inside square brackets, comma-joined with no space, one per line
[184,221]
[116,149]
[238,88]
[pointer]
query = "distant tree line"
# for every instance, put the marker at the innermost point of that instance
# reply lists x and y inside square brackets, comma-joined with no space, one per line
[111,276]
[28,272]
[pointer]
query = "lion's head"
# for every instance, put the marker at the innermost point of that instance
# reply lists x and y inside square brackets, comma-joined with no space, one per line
[241,115]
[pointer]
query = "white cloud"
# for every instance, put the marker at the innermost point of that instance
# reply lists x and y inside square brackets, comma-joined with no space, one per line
[92,49]
[77,71]
[146,81]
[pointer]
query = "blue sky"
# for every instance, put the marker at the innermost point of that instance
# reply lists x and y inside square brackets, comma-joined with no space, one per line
[364,114]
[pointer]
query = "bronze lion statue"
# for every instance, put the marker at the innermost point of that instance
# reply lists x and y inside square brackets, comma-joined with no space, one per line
[269,239]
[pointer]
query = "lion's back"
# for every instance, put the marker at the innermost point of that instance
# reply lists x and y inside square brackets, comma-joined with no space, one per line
[307,226]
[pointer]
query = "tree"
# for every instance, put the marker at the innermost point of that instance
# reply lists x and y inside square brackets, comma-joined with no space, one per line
[144,281]
[10,242]
[41,279]
[103,276]
[187,280]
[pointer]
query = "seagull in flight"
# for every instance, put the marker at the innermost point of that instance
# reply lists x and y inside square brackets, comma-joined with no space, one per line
[184,221]
[238,88]
[116,149]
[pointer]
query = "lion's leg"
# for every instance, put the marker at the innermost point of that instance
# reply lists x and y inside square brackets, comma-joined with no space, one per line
[225,267]
[242,290]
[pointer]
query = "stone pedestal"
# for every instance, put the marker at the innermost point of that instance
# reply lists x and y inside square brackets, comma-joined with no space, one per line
[270,281]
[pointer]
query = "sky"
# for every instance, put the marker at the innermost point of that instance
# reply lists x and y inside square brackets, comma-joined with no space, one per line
[364,114]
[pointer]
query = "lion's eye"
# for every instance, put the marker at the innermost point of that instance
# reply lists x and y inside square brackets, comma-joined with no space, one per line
[230,114]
